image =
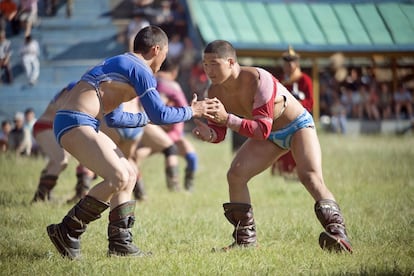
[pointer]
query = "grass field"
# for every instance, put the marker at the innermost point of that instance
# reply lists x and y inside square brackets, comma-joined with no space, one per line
[372,178]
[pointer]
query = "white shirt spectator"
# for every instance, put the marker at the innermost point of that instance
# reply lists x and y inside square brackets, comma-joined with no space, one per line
[30,53]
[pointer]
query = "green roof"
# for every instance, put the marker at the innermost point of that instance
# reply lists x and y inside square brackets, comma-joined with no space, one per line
[325,26]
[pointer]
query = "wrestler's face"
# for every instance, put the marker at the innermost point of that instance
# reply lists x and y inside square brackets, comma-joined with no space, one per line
[289,67]
[217,69]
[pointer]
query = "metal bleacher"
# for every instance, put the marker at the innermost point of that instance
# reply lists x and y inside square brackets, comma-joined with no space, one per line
[69,46]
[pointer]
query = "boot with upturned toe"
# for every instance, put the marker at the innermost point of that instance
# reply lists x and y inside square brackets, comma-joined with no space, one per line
[335,238]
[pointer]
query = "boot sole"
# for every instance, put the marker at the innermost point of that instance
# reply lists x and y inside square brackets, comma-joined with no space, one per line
[332,243]
[134,255]
[56,237]
[235,246]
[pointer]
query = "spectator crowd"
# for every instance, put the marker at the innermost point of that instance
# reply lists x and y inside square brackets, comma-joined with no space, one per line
[359,95]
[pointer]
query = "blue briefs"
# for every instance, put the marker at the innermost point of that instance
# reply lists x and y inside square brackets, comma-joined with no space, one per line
[130,133]
[65,120]
[283,137]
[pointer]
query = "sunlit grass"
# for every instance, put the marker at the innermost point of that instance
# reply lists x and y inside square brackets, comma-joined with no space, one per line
[372,178]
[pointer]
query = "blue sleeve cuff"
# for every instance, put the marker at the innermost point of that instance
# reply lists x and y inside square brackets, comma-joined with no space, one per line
[120,119]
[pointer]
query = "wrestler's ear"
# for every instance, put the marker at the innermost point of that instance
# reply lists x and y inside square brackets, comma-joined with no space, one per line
[231,62]
[155,50]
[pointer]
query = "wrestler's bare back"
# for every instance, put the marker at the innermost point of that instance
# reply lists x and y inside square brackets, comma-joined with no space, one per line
[237,95]
[83,97]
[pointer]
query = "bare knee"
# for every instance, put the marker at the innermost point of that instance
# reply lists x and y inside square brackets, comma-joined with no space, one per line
[309,178]
[235,175]
[62,161]
[57,166]
[315,185]
[123,180]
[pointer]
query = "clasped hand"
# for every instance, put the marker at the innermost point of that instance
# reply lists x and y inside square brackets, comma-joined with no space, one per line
[211,109]
[214,111]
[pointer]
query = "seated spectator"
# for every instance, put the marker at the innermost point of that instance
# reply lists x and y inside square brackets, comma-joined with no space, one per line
[385,101]
[5,55]
[359,100]
[19,137]
[403,103]
[4,135]
[346,100]
[372,103]
[325,99]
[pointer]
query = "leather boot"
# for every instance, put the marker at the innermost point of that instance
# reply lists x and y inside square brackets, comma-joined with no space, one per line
[83,185]
[46,184]
[121,221]
[334,238]
[241,216]
[171,173]
[189,180]
[66,235]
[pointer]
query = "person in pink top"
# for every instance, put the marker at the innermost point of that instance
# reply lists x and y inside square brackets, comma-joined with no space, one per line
[173,94]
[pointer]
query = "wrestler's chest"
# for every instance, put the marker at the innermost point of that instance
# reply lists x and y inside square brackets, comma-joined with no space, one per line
[238,106]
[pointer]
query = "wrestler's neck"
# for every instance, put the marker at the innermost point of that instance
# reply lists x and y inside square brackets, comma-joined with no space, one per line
[147,59]
[232,79]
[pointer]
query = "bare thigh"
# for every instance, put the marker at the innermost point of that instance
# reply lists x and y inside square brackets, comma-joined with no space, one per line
[156,138]
[95,151]
[58,157]
[253,157]
[127,146]
[306,151]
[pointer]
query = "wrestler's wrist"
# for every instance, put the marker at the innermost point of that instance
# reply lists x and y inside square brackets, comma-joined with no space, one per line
[229,119]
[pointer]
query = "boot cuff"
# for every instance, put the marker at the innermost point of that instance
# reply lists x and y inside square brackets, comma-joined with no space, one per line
[122,211]
[236,206]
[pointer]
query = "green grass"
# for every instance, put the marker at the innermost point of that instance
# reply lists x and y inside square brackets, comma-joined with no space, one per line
[372,178]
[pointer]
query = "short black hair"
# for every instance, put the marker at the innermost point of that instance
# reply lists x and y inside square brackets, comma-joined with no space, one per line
[5,122]
[29,110]
[222,48]
[148,37]
[169,65]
